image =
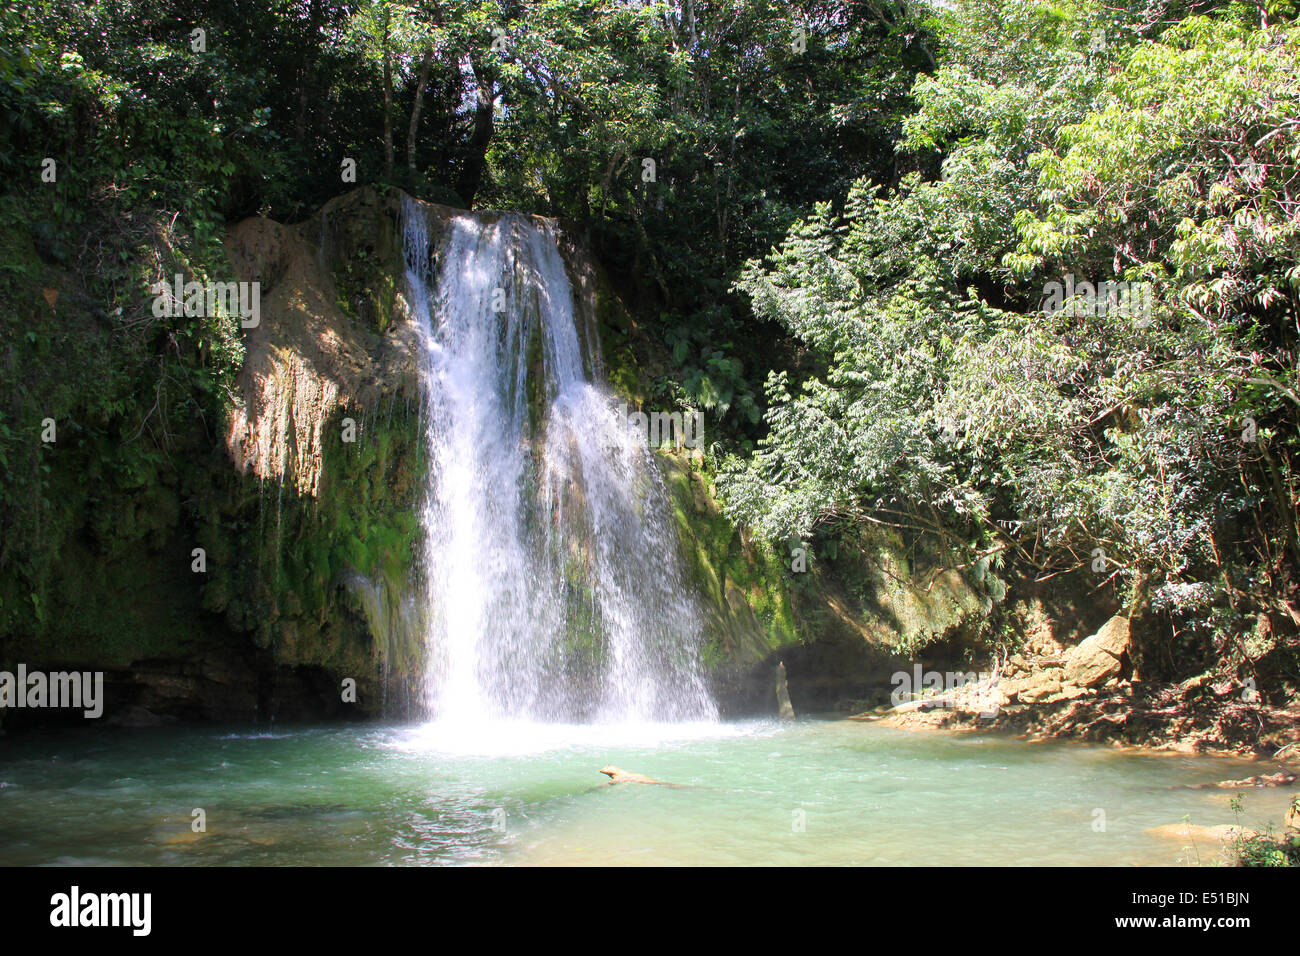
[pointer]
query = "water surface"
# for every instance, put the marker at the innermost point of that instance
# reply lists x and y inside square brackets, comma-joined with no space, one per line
[811,792]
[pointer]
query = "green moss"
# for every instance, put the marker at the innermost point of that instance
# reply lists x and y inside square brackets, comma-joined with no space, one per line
[860,594]
[323,580]
[535,382]
[94,560]
[329,579]
[357,238]
[615,326]
[746,587]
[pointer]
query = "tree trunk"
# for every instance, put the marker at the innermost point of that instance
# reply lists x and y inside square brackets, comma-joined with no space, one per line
[306,74]
[484,120]
[388,103]
[425,65]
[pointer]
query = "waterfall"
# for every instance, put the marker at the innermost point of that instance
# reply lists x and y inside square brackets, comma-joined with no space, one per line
[553,583]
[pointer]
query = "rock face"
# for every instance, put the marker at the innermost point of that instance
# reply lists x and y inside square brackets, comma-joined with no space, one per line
[301,503]
[1035,686]
[1100,657]
[324,439]
[785,710]
[329,338]
[837,616]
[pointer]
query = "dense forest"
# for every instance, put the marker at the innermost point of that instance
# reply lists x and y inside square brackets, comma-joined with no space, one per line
[1017,279]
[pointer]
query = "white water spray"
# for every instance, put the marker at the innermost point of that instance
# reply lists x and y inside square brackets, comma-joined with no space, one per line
[554,589]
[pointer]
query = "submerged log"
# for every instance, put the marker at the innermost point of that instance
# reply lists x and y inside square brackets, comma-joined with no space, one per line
[622,776]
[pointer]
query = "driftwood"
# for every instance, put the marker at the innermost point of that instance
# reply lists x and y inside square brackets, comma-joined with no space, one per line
[622,776]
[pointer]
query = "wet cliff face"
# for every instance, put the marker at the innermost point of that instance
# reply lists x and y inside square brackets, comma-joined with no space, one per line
[330,543]
[312,525]
[842,622]
[260,557]
[305,504]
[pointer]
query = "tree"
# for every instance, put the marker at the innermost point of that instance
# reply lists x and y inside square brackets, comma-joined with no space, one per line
[965,397]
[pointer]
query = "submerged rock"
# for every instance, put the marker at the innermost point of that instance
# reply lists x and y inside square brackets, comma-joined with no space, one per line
[1279,779]
[1190,831]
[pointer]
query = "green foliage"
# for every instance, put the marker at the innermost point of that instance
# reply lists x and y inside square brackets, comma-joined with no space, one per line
[317,579]
[1268,848]
[742,128]
[956,404]
[893,350]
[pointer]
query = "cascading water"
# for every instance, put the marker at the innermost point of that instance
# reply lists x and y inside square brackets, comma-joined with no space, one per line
[554,590]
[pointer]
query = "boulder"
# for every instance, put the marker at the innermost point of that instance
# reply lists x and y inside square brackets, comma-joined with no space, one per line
[1034,686]
[1099,658]
[784,708]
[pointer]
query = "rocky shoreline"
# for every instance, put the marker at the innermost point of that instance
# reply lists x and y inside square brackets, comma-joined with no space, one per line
[1195,717]
[1189,718]
[1093,691]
